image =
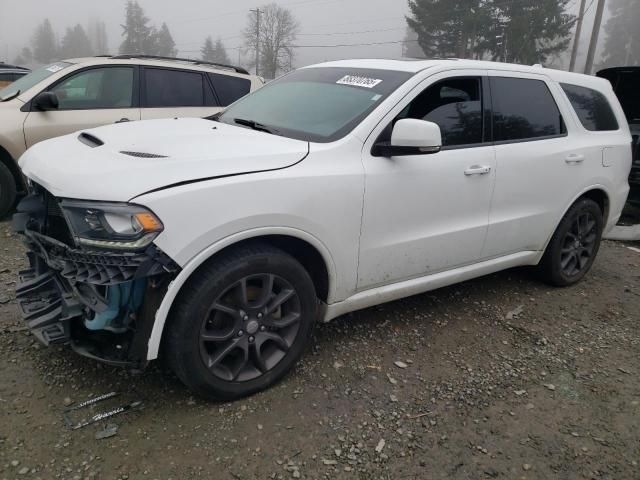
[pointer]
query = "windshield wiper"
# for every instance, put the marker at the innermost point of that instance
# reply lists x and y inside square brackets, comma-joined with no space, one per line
[256,126]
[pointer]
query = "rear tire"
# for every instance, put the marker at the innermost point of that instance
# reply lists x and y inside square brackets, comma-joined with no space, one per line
[7,191]
[241,322]
[574,245]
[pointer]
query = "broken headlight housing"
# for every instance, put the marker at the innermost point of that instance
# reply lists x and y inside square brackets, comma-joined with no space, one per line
[113,226]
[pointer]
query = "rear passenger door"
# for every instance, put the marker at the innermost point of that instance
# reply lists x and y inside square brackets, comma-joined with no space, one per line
[168,93]
[538,165]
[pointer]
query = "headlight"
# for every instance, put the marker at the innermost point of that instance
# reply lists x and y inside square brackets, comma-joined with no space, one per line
[111,225]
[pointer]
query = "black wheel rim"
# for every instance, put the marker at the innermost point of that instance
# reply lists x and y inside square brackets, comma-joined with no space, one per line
[250,328]
[579,244]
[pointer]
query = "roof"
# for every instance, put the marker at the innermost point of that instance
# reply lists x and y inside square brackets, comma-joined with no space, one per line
[164,61]
[415,66]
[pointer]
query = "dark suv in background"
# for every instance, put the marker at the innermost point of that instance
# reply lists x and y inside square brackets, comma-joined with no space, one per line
[626,84]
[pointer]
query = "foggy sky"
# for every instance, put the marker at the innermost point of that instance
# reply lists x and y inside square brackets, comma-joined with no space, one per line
[322,22]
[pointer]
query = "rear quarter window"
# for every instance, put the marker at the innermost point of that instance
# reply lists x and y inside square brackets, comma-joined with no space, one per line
[592,107]
[229,88]
[524,110]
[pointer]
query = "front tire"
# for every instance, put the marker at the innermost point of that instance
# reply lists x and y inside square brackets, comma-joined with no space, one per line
[7,191]
[574,245]
[241,323]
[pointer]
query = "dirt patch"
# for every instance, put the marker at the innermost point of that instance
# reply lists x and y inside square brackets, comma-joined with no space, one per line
[503,377]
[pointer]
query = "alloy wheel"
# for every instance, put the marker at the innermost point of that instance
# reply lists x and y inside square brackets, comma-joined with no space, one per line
[250,327]
[579,244]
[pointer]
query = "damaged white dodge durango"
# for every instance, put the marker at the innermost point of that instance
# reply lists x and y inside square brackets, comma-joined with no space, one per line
[217,243]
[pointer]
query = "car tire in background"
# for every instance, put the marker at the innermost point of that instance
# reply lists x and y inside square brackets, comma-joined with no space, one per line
[574,245]
[7,191]
[242,321]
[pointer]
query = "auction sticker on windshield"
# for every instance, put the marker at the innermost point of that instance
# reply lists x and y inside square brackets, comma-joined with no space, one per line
[55,68]
[358,81]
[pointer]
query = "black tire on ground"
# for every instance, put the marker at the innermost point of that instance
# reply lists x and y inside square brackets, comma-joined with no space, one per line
[7,191]
[574,245]
[241,322]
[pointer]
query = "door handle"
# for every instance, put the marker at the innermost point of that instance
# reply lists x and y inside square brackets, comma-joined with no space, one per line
[574,158]
[477,170]
[123,120]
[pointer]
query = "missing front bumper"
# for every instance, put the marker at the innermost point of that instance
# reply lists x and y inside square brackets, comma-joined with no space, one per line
[64,288]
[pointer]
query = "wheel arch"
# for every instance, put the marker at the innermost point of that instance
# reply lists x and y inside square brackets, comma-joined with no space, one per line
[597,193]
[12,165]
[305,248]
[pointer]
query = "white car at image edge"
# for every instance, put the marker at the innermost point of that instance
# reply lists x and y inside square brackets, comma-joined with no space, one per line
[219,243]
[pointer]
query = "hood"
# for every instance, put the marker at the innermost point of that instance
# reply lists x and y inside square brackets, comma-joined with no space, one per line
[120,162]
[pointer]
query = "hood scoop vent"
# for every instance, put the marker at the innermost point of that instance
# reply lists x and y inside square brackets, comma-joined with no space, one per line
[90,140]
[143,154]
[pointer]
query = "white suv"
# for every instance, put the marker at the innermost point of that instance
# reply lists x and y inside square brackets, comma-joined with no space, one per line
[334,188]
[70,95]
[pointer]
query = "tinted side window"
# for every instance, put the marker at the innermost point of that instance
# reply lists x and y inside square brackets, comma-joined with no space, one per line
[228,88]
[96,88]
[173,88]
[592,108]
[524,109]
[455,105]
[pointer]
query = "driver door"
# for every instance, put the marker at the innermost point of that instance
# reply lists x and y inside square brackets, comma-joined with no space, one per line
[87,99]
[427,213]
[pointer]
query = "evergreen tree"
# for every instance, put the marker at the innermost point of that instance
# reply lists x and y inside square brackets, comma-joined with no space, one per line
[45,47]
[207,51]
[25,57]
[220,53]
[529,31]
[622,45]
[75,43]
[449,28]
[97,33]
[138,36]
[165,45]
[524,31]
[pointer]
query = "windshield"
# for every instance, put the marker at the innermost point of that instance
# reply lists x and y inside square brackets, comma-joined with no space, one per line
[315,104]
[25,83]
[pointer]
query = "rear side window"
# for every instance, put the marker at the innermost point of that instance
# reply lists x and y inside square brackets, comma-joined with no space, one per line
[175,88]
[229,88]
[592,107]
[524,109]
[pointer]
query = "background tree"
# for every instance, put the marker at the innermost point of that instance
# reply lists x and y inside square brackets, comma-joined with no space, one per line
[622,45]
[45,46]
[216,53]
[529,31]
[25,57]
[139,37]
[97,32]
[411,47]
[207,51]
[164,44]
[449,28]
[75,43]
[523,31]
[278,33]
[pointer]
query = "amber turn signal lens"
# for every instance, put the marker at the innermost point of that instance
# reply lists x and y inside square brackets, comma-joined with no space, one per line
[149,222]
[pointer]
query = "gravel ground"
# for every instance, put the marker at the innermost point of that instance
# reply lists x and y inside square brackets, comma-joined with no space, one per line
[500,377]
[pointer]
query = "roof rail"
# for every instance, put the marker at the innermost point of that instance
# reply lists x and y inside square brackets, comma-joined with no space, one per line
[178,59]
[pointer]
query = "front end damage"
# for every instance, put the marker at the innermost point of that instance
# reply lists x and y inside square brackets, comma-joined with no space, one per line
[99,301]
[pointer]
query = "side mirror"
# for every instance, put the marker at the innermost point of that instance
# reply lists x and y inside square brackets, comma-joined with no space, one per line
[46,101]
[411,137]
